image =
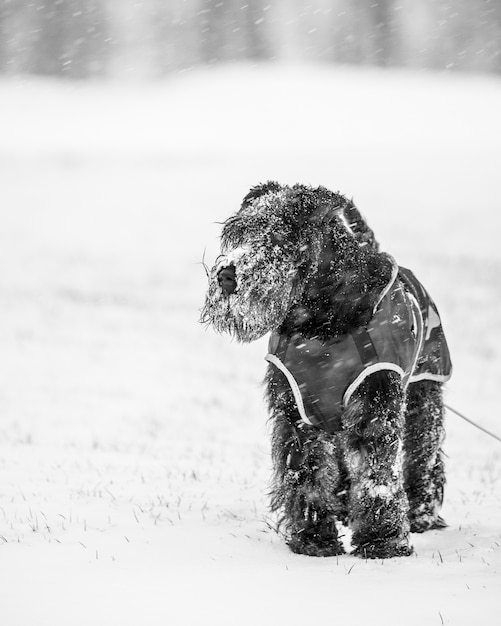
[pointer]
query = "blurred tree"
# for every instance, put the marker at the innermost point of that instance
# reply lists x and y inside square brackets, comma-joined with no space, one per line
[174,33]
[50,25]
[56,37]
[381,16]
[3,37]
[454,31]
[234,29]
[257,24]
[216,24]
[13,41]
[350,33]
[488,36]
[365,32]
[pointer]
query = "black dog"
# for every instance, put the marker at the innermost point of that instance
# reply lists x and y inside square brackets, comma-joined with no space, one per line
[357,361]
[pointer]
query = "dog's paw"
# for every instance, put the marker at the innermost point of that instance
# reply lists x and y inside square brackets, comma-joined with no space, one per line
[312,544]
[422,523]
[383,549]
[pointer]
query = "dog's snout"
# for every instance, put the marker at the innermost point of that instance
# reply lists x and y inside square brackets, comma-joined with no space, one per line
[227,279]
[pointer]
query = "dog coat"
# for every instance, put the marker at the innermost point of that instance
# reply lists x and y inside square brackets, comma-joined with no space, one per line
[405,335]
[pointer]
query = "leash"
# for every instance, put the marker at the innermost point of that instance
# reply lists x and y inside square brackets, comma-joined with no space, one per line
[487,432]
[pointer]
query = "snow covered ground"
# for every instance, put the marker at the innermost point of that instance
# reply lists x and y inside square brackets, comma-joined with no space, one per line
[134,448]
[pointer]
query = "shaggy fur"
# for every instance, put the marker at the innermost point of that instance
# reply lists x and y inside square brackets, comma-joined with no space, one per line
[298,259]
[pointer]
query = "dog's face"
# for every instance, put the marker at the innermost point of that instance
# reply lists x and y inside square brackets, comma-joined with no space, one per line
[280,237]
[254,281]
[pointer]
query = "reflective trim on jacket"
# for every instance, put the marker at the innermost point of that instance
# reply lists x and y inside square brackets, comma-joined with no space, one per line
[405,335]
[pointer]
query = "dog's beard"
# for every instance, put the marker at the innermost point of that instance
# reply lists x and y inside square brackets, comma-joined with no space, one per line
[262,298]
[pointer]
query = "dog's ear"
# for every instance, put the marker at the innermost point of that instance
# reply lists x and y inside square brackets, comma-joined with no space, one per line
[356,221]
[330,205]
[261,190]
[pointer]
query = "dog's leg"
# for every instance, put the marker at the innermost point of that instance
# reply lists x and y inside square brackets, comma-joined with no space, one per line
[309,488]
[373,423]
[424,465]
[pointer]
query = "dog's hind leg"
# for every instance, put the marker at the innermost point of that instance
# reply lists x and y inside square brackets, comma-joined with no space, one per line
[309,485]
[424,466]
[373,423]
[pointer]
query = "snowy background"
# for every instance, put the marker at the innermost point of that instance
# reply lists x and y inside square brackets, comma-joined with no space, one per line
[134,448]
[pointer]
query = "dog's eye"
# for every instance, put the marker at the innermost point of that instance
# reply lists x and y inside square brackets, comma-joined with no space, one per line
[277,239]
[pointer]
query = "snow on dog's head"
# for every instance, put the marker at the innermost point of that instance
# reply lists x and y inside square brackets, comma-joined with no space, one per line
[269,248]
[252,282]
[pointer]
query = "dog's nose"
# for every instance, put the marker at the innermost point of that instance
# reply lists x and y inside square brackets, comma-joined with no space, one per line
[227,280]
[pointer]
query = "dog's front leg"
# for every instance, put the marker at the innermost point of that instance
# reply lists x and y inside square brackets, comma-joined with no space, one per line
[373,424]
[309,484]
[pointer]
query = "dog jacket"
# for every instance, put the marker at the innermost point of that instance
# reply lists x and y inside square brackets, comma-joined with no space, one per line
[404,335]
